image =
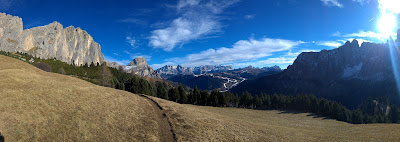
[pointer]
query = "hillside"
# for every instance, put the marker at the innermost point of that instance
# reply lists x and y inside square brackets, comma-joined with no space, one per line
[347,74]
[202,123]
[42,106]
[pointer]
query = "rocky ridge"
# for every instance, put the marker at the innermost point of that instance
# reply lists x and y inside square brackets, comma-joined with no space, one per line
[347,74]
[71,45]
[168,71]
[140,67]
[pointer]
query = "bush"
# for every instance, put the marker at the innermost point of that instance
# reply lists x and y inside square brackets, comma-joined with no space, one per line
[43,66]
[61,71]
[1,138]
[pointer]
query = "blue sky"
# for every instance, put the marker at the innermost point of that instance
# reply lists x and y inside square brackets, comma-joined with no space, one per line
[198,32]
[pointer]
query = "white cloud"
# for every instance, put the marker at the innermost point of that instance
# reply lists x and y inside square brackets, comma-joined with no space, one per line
[362,2]
[198,18]
[241,51]
[185,3]
[132,41]
[281,61]
[329,43]
[121,62]
[249,17]
[135,55]
[133,21]
[389,6]
[337,33]
[371,36]
[368,34]
[332,3]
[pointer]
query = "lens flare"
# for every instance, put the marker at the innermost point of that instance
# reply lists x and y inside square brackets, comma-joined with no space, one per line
[394,56]
[387,24]
[389,10]
[390,5]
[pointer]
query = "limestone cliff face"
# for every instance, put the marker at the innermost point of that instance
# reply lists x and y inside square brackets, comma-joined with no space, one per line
[71,45]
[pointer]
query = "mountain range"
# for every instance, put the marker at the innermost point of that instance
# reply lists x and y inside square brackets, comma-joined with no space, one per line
[168,71]
[347,74]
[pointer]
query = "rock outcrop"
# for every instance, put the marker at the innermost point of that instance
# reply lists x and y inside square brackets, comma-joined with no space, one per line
[273,68]
[113,65]
[71,45]
[140,67]
[169,71]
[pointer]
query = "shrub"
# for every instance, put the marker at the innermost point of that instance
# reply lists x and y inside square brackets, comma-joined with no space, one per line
[43,66]
[1,138]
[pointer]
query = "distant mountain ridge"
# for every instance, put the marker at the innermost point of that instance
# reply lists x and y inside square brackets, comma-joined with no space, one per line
[347,74]
[168,71]
[71,45]
[203,69]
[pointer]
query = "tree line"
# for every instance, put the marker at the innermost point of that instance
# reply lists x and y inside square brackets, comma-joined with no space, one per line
[377,110]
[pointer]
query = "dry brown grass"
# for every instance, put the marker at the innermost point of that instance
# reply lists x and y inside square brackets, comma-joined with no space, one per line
[198,123]
[41,106]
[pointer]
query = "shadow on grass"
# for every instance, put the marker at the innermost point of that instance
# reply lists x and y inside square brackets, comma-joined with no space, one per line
[299,112]
[290,112]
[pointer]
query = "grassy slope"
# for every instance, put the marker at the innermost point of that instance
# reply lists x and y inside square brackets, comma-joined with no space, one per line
[42,106]
[198,123]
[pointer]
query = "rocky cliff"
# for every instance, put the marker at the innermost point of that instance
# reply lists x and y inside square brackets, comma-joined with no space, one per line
[71,45]
[368,62]
[168,71]
[347,74]
[140,67]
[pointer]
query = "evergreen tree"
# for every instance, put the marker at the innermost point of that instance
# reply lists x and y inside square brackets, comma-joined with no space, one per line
[182,95]
[267,101]
[173,94]
[214,98]
[246,100]
[196,95]
[257,101]
[394,114]
[161,91]
[357,117]
[204,97]
[222,99]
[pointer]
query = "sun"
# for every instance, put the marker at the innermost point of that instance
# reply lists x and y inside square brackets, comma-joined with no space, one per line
[387,23]
[389,10]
